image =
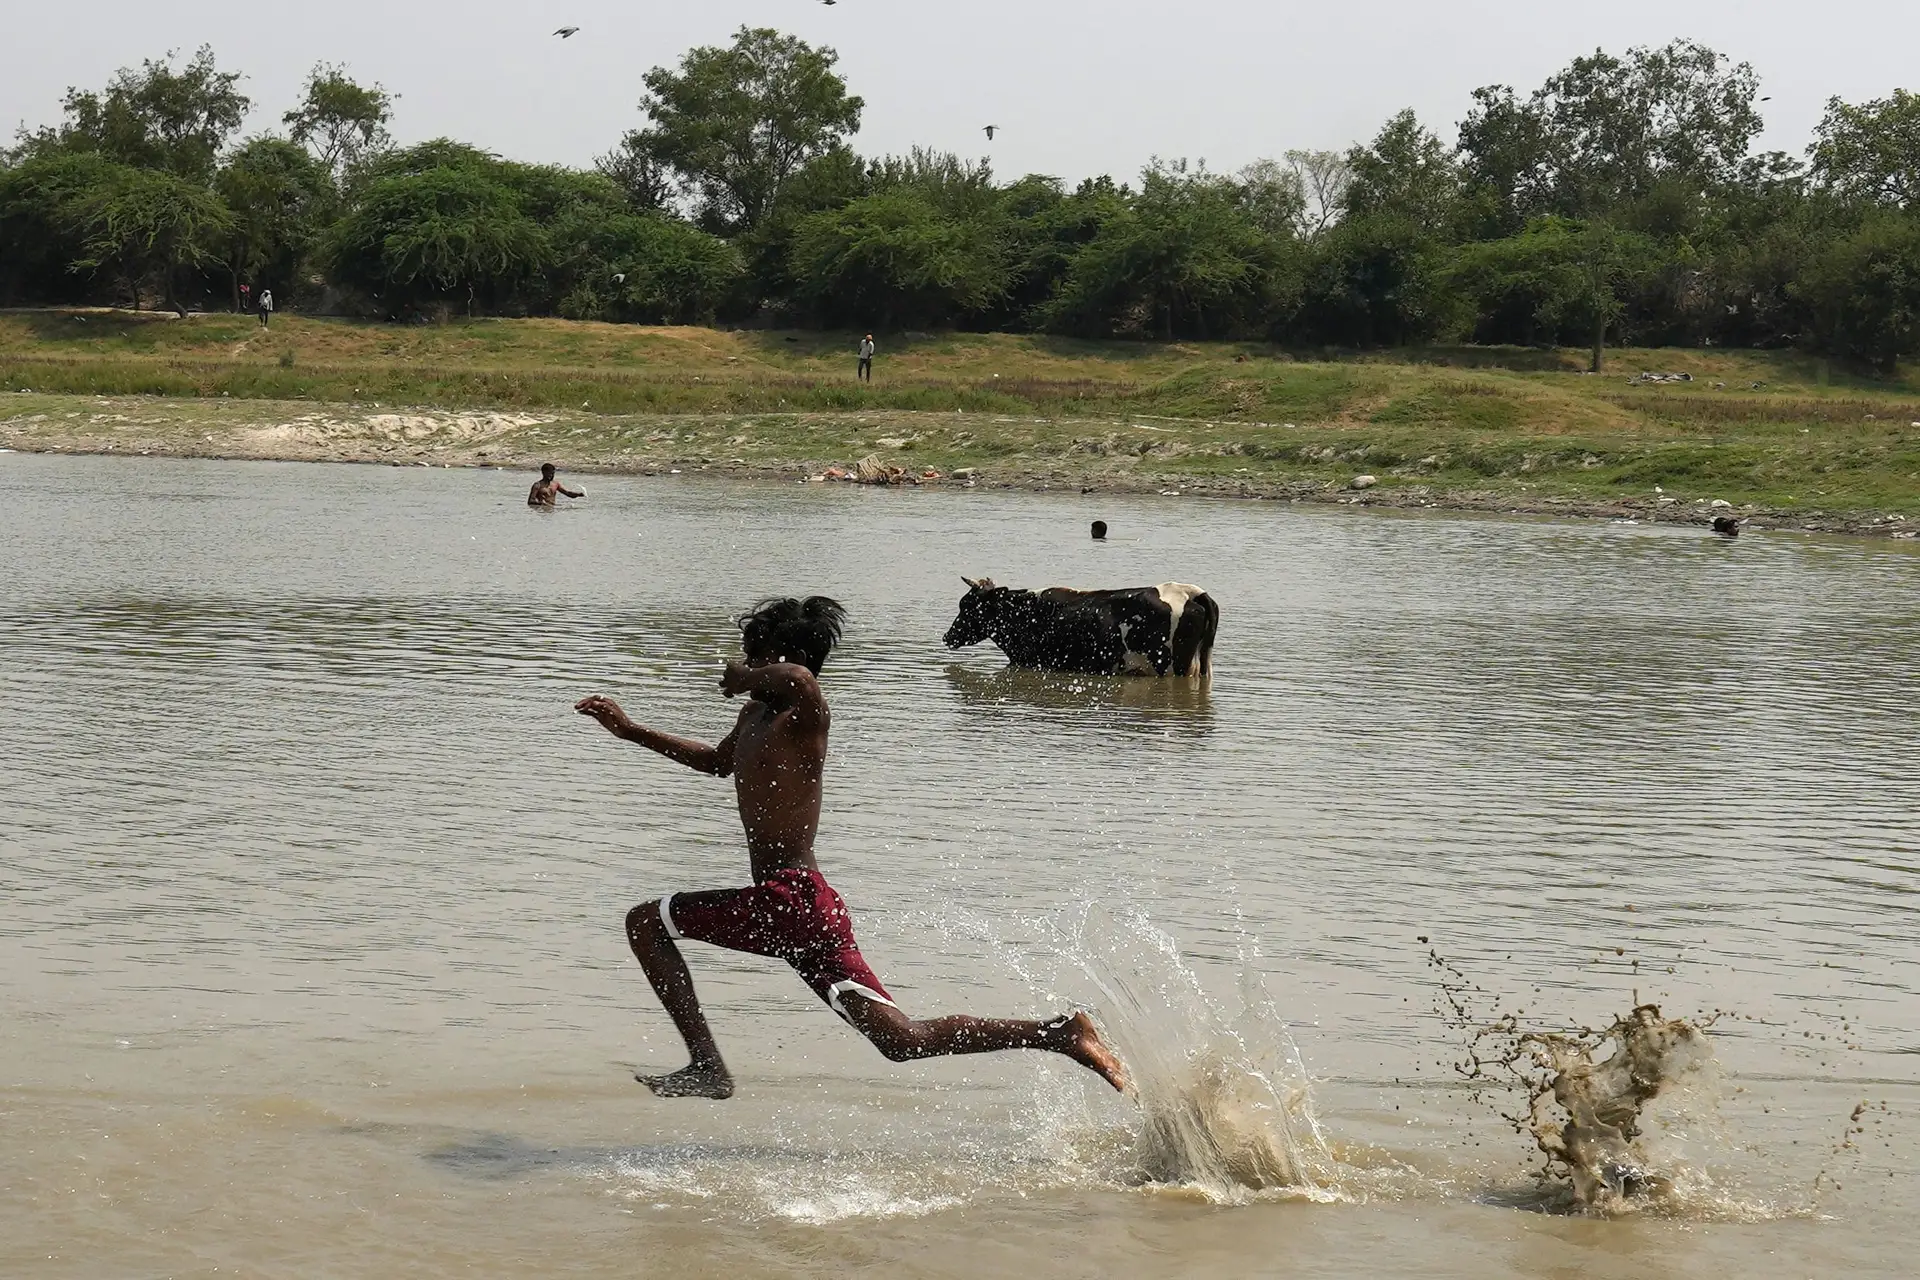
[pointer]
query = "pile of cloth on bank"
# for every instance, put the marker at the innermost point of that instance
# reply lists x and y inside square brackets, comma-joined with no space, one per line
[870,470]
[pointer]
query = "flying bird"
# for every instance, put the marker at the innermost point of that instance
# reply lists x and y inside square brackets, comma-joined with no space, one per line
[566,32]
[990,130]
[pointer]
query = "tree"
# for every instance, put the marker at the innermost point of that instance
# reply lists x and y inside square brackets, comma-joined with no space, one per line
[1606,131]
[1406,172]
[1371,281]
[445,233]
[1182,257]
[341,121]
[642,179]
[1526,289]
[1871,152]
[895,259]
[1558,280]
[44,223]
[278,194]
[1864,291]
[1321,177]
[649,267]
[1275,196]
[153,223]
[1609,260]
[736,124]
[157,117]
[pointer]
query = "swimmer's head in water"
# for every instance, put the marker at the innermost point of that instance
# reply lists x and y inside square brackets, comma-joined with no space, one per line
[1099,530]
[792,630]
[546,471]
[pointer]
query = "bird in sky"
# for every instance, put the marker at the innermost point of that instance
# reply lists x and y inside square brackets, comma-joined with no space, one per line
[566,32]
[990,130]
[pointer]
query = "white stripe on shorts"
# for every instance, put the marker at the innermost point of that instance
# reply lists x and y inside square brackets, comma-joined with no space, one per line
[666,916]
[846,985]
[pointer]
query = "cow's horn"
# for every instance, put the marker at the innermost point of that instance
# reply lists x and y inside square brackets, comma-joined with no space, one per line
[969,581]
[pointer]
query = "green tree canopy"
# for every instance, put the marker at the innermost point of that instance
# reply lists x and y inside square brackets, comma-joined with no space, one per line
[1871,152]
[446,233]
[159,117]
[897,259]
[45,222]
[1864,292]
[1405,172]
[1607,130]
[736,123]
[278,195]
[151,223]
[1371,281]
[1185,256]
[341,121]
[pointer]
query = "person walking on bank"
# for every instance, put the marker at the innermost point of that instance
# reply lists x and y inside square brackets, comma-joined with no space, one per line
[266,307]
[865,371]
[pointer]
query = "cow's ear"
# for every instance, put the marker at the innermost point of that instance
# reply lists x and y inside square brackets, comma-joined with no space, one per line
[986,584]
[971,584]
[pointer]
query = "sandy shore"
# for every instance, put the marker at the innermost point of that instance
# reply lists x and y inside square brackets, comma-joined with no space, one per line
[373,435]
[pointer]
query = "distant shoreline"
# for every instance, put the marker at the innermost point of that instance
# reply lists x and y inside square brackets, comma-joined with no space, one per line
[478,439]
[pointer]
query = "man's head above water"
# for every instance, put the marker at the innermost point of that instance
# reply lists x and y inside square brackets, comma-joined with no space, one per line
[785,629]
[546,471]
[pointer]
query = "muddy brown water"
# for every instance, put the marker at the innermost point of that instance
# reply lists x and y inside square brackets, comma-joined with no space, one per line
[311,960]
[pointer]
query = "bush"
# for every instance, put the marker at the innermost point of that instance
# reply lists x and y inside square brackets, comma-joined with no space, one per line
[1864,292]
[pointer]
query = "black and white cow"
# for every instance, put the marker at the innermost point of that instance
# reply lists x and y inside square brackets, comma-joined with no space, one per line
[1155,631]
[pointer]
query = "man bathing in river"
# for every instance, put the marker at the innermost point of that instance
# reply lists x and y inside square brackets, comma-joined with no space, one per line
[776,755]
[546,490]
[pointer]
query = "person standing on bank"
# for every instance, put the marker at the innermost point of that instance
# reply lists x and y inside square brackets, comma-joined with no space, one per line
[266,307]
[865,371]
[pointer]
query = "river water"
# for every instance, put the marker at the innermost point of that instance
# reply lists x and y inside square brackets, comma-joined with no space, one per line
[311,958]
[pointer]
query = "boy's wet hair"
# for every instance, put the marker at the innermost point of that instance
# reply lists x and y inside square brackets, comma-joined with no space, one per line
[799,630]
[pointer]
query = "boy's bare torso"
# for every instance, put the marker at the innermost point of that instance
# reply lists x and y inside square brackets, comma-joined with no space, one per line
[779,760]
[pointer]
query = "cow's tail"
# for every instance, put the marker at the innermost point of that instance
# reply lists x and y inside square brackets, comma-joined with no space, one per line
[1193,640]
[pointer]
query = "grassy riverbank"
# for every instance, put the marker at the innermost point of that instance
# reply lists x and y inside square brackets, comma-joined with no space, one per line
[1464,427]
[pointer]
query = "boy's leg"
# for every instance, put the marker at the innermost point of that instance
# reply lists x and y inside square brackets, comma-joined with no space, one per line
[903,1039]
[706,1076]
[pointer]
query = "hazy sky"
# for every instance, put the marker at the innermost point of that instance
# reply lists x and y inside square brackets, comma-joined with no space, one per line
[1079,87]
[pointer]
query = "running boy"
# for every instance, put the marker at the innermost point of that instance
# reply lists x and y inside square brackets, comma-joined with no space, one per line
[776,756]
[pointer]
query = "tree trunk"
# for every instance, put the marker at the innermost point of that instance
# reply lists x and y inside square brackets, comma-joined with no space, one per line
[169,300]
[1599,339]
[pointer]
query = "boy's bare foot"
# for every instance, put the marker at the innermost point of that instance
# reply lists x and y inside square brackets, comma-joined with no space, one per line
[1076,1036]
[691,1082]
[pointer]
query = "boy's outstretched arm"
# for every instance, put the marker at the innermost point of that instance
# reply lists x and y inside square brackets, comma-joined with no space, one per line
[716,760]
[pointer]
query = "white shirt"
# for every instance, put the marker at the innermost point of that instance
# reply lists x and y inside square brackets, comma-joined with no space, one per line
[266,299]
[866,348]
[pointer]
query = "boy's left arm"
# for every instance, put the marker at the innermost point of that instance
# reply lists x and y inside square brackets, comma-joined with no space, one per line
[787,685]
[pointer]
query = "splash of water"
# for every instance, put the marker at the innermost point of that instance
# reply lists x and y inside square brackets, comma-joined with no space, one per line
[1587,1097]
[1226,1107]
[1625,1118]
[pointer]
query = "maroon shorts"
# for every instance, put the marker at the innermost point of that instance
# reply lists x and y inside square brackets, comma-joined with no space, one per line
[793,915]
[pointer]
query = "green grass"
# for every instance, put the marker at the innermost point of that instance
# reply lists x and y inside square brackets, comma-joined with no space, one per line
[1433,421]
